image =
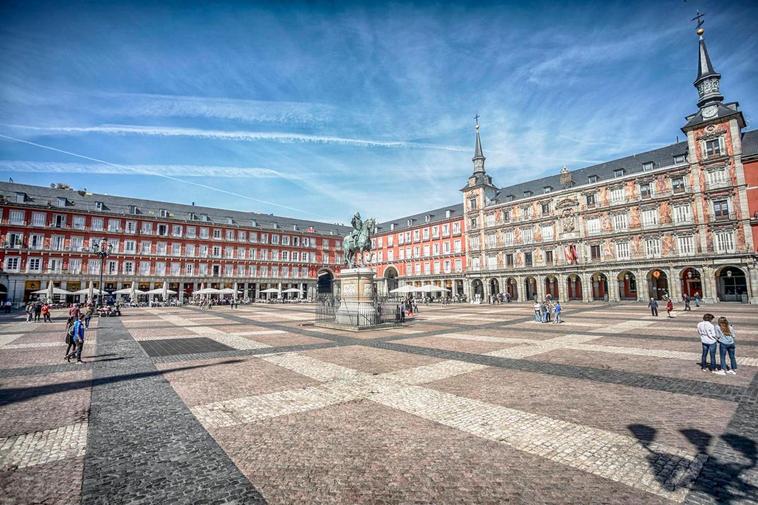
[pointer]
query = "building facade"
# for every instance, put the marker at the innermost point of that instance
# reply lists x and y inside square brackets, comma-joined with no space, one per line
[682,219]
[668,222]
[49,234]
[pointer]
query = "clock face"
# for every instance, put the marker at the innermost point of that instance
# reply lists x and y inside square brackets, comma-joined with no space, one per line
[710,111]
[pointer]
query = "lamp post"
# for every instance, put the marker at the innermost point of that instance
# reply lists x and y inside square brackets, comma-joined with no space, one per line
[102,249]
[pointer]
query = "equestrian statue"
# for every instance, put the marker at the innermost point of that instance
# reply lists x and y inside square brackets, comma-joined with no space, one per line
[358,240]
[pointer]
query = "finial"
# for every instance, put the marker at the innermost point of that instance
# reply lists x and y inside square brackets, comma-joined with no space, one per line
[699,18]
[476,121]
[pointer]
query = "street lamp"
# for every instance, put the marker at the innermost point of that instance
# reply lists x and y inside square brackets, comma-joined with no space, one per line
[102,249]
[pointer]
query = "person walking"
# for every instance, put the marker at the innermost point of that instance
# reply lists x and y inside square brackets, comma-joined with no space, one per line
[653,304]
[70,345]
[8,306]
[725,337]
[88,314]
[77,337]
[537,314]
[670,307]
[707,333]
[29,312]
[687,303]
[557,310]
[697,298]
[46,314]
[37,311]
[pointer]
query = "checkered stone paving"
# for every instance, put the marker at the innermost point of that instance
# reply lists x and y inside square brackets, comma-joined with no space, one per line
[466,404]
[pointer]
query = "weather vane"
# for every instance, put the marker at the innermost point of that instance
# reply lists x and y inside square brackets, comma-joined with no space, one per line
[699,18]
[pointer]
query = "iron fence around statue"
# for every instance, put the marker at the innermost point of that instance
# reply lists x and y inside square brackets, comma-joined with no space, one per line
[382,310]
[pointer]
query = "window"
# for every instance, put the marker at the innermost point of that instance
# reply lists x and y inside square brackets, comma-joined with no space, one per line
[458,265]
[592,179]
[548,257]
[492,262]
[190,232]
[527,194]
[724,241]
[590,199]
[176,249]
[146,247]
[176,230]
[75,266]
[79,222]
[204,233]
[17,217]
[507,215]
[650,217]
[471,204]
[12,263]
[545,209]
[426,230]
[55,265]
[39,219]
[526,212]
[161,248]
[130,246]
[622,250]
[417,235]
[645,191]
[527,236]
[595,252]
[147,228]
[677,184]
[229,234]
[682,214]
[472,223]
[617,195]
[679,158]
[114,225]
[131,227]
[37,241]
[593,226]
[456,228]
[15,240]
[547,189]
[714,147]
[34,265]
[620,222]
[507,238]
[619,172]
[162,230]
[528,259]
[491,240]
[97,224]
[489,219]
[216,233]
[457,246]
[648,166]
[653,247]
[717,178]
[474,243]
[721,209]
[57,242]
[509,260]
[547,232]
[685,245]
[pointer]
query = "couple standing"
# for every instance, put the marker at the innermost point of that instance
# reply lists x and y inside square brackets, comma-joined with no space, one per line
[721,334]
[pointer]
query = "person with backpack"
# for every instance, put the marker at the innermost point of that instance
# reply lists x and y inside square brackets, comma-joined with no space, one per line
[70,345]
[77,338]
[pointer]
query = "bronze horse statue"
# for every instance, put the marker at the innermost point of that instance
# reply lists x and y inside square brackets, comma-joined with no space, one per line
[359,240]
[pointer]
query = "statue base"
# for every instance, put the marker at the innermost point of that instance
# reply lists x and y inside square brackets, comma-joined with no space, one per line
[357,309]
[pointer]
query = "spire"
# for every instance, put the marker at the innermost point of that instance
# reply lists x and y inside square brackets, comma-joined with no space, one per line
[708,80]
[478,158]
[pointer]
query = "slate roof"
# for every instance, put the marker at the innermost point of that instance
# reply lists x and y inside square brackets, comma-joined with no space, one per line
[436,216]
[86,202]
[750,144]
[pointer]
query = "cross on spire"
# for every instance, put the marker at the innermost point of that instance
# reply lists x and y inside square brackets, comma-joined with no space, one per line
[476,120]
[699,19]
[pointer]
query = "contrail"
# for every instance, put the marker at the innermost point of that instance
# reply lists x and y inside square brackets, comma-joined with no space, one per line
[155,174]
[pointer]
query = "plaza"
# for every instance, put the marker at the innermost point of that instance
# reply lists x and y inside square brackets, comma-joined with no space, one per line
[465,404]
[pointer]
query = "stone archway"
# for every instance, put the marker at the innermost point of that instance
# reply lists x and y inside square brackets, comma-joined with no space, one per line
[599,286]
[325,282]
[627,283]
[511,287]
[494,287]
[657,284]
[691,282]
[574,287]
[3,292]
[731,284]
[390,278]
[477,290]
[530,288]
[551,286]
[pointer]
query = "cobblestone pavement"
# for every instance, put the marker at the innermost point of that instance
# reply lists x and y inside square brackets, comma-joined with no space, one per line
[465,404]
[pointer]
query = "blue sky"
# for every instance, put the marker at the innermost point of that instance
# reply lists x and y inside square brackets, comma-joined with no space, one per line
[315,110]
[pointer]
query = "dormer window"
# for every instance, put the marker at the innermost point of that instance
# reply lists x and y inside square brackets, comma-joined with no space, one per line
[619,172]
[294,227]
[275,226]
[204,217]
[592,179]
[410,222]
[229,220]
[192,216]
[132,209]
[648,166]
[62,201]
[392,226]
[527,194]
[427,218]
[20,197]
[547,189]
[679,158]
[253,223]
[448,213]
[164,212]
[510,198]
[99,205]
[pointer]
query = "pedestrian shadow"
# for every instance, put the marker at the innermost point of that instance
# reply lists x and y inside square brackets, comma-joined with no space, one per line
[10,396]
[711,473]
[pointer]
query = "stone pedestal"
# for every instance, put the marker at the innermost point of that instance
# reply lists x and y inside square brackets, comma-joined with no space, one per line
[357,288]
